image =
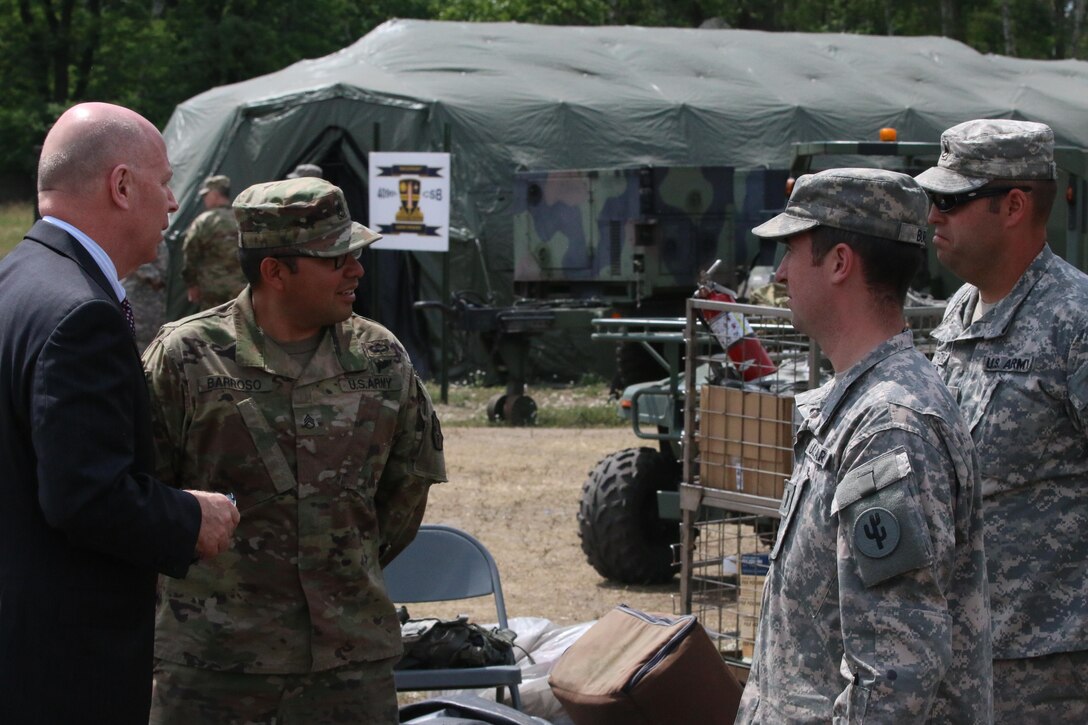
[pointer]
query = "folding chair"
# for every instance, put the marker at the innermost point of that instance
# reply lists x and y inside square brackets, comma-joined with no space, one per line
[442,564]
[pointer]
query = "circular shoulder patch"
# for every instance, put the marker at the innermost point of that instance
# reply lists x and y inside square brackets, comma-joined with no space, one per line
[876,532]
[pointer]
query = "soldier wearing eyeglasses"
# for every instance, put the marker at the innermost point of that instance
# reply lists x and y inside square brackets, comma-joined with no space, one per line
[315,420]
[1013,348]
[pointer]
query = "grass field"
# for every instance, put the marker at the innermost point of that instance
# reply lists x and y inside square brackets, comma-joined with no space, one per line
[15,219]
[558,406]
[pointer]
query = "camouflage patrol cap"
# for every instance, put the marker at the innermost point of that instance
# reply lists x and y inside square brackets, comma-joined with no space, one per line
[215,183]
[876,202]
[977,152]
[307,216]
[306,170]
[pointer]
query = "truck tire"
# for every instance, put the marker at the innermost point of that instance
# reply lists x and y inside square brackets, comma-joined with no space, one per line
[622,536]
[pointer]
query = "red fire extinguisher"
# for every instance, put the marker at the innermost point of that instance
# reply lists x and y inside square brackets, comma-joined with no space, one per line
[733,331]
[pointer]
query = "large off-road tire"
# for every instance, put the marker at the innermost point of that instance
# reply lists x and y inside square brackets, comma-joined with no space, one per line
[622,536]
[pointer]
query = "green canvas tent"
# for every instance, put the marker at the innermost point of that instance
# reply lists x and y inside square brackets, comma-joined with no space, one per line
[508,97]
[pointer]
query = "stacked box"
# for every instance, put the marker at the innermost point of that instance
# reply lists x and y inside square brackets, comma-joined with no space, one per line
[749,606]
[745,440]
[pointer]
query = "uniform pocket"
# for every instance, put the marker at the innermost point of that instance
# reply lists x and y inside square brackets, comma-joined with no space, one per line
[880,512]
[791,497]
[917,647]
[856,702]
[268,450]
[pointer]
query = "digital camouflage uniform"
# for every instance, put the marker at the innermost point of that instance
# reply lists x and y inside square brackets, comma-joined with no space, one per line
[846,630]
[330,465]
[874,607]
[210,251]
[145,289]
[1020,376]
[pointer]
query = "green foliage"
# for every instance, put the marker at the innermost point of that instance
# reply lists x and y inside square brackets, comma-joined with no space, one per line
[15,219]
[547,12]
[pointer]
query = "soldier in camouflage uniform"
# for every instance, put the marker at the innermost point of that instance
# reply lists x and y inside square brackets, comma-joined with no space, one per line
[1013,347]
[145,289]
[316,421]
[874,608]
[303,170]
[210,250]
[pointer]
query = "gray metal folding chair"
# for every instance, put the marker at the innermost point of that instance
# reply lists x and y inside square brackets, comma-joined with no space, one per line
[442,564]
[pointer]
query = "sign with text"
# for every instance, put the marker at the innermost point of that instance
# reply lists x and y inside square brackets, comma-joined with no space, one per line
[410,200]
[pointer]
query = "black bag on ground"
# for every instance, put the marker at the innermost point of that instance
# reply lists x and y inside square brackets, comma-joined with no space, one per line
[450,643]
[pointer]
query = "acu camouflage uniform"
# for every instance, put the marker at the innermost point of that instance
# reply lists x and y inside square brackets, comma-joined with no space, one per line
[210,257]
[874,608]
[850,634]
[1020,374]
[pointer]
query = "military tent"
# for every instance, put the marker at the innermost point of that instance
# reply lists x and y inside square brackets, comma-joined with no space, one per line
[504,97]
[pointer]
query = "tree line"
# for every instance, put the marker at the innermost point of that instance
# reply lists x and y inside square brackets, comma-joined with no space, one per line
[153,54]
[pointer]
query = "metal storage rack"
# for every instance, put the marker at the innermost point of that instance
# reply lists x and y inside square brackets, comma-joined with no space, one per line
[734,463]
[738,451]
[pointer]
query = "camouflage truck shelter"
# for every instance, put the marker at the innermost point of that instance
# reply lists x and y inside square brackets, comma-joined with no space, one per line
[614,109]
[632,238]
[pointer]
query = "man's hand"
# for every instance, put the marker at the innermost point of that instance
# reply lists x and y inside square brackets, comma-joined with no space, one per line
[193,293]
[218,517]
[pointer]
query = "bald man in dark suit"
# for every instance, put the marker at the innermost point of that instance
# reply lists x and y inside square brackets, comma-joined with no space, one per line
[84,527]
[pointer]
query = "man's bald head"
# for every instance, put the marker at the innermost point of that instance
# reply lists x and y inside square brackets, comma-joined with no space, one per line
[104,169]
[87,141]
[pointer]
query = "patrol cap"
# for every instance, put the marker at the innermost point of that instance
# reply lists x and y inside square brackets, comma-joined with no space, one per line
[215,183]
[306,215]
[975,153]
[876,202]
[306,170]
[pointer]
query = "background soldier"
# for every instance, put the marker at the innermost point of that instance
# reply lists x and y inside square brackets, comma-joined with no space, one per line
[210,251]
[1013,347]
[875,608]
[306,170]
[145,289]
[316,421]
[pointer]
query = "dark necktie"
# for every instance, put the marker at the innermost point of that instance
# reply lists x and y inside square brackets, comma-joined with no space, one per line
[126,307]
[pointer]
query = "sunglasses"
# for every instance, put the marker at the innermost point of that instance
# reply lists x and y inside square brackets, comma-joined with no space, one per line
[337,262]
[947,202]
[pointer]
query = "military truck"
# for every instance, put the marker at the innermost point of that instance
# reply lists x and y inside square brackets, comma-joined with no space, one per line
[612,242]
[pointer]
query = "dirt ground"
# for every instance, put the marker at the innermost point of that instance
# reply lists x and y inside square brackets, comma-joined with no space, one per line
[517,491]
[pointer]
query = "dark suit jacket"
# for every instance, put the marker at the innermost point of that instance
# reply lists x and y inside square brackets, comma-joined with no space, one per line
[84,528]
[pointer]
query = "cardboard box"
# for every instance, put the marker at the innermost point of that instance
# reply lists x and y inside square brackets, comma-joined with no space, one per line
[750,593]
[749,627]
[749,608]
[745,440]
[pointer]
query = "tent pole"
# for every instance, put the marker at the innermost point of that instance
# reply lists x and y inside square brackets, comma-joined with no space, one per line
[375,297]
[444,368]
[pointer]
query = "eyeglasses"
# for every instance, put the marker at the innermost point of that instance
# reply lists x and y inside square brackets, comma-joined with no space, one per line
[947,202]
[337,262]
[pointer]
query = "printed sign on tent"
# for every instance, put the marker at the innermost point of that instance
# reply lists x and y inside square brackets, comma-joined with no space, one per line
[410,200]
